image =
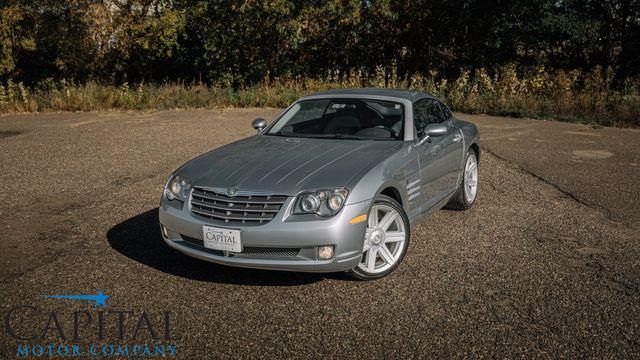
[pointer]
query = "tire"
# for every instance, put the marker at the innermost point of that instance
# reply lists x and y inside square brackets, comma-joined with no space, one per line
[467,191]
[384,249]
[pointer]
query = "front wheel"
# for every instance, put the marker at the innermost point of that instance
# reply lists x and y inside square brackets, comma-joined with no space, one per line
[386,240]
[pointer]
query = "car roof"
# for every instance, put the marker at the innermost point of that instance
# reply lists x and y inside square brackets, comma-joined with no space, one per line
[396,93]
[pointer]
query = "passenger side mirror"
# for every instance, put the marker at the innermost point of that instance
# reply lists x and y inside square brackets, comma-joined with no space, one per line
[259,124]
[436,130]
[431,130]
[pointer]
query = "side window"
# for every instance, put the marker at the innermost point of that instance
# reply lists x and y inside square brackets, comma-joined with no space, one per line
[446,112]
[425,112]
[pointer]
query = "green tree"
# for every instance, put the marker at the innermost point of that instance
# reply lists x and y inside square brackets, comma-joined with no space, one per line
[15,39]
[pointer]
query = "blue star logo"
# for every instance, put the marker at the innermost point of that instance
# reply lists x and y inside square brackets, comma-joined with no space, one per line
[100,299]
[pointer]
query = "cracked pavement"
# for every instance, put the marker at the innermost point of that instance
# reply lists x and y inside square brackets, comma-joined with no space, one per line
[598,167]
[546,264]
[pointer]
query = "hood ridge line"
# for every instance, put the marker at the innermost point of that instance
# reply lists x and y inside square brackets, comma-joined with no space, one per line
[281,165]
[303,164]
[329,163]
[247,164]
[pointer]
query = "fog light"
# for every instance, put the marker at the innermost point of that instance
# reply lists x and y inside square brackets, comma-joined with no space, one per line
[164,231]
[325,252]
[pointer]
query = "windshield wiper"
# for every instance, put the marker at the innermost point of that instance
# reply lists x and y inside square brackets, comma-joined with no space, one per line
[320,136]
[285,134]
[345,137]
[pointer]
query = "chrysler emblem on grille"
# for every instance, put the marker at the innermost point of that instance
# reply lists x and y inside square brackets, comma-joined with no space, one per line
[232,191]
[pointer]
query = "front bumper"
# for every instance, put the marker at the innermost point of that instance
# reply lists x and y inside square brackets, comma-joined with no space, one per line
[302,234]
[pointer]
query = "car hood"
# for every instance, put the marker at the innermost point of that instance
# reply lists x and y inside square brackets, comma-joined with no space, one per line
[286,166]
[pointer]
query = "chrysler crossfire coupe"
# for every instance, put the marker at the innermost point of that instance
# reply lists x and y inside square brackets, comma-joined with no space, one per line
[334,183]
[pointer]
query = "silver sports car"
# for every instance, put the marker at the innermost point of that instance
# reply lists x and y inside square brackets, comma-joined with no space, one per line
[334,183]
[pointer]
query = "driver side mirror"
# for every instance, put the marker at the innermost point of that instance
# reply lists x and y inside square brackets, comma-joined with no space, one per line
[431,130]
[259,124]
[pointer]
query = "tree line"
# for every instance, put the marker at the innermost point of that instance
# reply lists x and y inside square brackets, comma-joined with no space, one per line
[240,43]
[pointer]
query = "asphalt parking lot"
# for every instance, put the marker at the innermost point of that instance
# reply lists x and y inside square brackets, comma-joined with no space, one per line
[546,264]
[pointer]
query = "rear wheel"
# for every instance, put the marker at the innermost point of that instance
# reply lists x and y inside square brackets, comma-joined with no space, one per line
[467,191]
[386,239]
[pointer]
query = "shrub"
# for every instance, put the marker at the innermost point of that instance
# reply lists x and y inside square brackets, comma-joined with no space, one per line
[563,95]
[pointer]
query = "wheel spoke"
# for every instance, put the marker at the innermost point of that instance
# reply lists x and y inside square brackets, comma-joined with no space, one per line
[387,220]
[376,256]
[470,178]
[386,255]
[373,217]
[371,260]
[393,236]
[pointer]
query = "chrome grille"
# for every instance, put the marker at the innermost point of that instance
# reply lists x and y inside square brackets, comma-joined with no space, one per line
[240,209]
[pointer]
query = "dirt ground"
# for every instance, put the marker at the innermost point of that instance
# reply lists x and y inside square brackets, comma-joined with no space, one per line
[546,264]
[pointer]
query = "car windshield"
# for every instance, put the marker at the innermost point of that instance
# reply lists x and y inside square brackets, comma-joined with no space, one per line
[351,119]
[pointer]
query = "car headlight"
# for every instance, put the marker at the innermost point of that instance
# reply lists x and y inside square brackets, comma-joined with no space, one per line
[177,188]
[325,202]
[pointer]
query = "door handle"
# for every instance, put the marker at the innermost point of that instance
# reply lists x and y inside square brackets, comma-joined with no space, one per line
[457,138]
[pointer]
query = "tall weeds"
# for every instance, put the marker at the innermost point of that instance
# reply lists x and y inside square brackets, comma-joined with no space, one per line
[537,93]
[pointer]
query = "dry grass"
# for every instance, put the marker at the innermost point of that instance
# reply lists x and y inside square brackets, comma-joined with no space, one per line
[562,95]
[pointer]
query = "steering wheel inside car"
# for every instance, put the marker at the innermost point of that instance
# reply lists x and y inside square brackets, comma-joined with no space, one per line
[378,132]
[390,130]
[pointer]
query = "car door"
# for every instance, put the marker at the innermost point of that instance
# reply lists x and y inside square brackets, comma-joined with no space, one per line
[436,173]
[453,149]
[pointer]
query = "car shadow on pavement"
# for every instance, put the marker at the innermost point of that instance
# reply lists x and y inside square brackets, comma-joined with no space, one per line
[138,238]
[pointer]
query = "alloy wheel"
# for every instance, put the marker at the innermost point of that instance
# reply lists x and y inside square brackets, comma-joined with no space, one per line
[471,179]
[384,239]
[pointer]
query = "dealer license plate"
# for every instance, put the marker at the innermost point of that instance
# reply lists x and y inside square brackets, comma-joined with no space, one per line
[221,239]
